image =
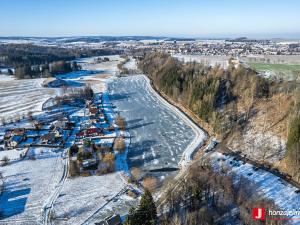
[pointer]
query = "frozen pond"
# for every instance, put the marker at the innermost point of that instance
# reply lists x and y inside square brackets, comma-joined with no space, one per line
[159,136]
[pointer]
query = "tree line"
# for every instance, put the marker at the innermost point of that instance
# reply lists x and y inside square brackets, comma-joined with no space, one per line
[45,70]
[292,154]
[31,61]
[210,92]
[208,198]
[225,98]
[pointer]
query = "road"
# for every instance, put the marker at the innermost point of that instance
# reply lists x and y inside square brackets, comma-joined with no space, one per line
[50,201]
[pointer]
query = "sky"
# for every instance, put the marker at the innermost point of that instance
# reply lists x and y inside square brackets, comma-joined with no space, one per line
[178,18]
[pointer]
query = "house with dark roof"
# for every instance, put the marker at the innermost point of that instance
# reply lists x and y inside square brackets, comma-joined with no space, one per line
[93,111]
[48,138]
[19,131]
[112,220]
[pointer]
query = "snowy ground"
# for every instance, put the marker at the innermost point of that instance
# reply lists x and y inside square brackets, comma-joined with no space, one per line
[131,64]
[18,97]
[28,183]
[109,67]
[81,197]
[161,138]
[6,78]
[208,60]
[270,186]
[13,155]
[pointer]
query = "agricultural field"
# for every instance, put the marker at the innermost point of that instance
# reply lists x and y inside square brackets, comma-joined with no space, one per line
[18,97]
[282,71]
[28,184]
[222,61]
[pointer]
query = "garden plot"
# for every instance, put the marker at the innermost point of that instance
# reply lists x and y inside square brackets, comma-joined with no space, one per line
[28,183]
[160,135]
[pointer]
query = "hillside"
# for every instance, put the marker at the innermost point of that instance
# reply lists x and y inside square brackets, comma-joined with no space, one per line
[252,117]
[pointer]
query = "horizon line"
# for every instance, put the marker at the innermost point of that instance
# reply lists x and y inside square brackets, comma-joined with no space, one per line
[296,36]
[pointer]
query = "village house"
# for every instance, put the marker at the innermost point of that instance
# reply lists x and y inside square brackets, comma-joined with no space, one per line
[57,132]
[112,220]
[62,123]
[93,111]
[48,138]
[19,131]
[37,125]
[89,132]
[7,135]
[14,141]
[89,162]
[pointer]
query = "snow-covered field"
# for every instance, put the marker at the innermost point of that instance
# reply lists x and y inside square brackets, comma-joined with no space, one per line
[28,183]
[207,60]
[18,97]
[131,64]
[109,67]
[6,78]
[81,197]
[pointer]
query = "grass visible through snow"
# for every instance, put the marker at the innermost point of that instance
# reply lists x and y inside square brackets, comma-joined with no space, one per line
[277,69]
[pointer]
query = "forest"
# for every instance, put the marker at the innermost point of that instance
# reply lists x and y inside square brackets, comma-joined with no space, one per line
[232,100]
[207,91]
[31,61]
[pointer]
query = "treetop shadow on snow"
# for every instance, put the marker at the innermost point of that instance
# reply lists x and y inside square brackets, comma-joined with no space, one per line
[139,125]
[119,96]
[13,201]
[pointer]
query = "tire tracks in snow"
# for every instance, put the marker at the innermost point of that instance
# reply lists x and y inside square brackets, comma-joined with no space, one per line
[50,201]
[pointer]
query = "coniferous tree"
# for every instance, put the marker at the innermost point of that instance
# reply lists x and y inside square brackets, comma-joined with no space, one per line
[145,214]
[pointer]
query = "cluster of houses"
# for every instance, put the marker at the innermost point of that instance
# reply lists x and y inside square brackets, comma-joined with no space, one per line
[92,151]
[41,134]
[93,135]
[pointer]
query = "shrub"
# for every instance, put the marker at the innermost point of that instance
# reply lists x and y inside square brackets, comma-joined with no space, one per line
[119,144]
[5,160]
[150,183]
[121,123]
